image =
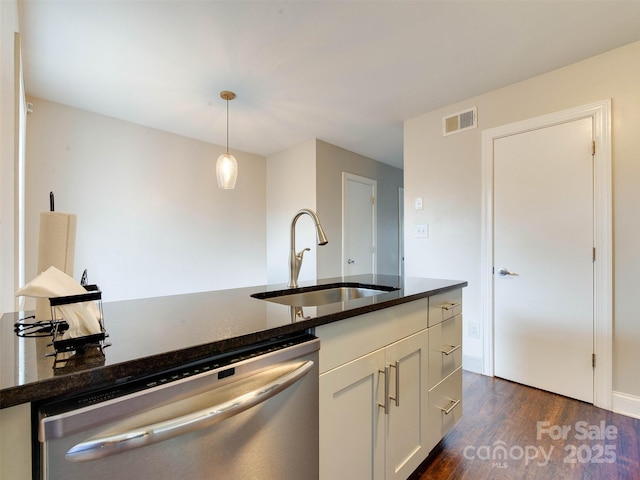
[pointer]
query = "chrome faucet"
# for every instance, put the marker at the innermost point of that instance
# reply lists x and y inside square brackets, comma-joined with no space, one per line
[295,259]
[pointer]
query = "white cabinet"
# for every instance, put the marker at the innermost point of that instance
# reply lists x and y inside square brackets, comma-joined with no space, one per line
[15,442]
[351,424]
[445,349]
[445,363]
[444,306]
[407,422]
[373,413]
[445,406]
[390,387]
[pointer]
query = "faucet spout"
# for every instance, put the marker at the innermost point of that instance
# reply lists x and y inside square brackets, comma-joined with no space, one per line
[295,259]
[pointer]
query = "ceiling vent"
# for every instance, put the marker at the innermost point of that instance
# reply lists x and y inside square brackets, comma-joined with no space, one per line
[460,122]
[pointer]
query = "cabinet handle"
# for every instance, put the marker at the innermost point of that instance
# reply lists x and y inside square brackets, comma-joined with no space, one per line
[454,404]
[385,372]
[397,397]
[450,306]
[452,349]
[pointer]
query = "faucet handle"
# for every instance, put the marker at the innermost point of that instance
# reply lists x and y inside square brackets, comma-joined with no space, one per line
[301,253]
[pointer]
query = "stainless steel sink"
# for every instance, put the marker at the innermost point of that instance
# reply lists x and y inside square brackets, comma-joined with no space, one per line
[322,294]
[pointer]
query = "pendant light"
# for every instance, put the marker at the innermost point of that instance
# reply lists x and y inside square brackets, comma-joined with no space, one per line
[227,165]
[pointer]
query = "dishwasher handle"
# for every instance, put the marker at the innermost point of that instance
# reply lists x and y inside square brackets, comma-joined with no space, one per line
[150,434]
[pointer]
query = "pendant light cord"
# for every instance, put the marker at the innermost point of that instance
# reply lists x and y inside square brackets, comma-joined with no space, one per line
[227,125]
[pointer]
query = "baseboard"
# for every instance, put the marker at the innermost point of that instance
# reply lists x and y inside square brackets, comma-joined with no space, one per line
[624,404]
[472,364]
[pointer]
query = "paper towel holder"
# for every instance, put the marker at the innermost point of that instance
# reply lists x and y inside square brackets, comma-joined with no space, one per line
[78,345]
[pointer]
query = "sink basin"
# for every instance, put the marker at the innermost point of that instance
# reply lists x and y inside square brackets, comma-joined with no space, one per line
[323,294]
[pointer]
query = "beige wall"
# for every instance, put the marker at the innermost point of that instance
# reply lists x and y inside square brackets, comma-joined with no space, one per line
[151,218]
[332,161]
[447,172]
[8,135]
[291,185]
[310,176]
[15,440]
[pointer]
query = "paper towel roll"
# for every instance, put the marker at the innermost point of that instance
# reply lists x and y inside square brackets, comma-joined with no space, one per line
[56,248]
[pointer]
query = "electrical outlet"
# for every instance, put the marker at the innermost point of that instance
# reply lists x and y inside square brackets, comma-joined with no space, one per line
[474,330]
[422,231]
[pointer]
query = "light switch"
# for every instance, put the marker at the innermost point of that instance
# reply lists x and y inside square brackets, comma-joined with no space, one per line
[418,203]
[422,231]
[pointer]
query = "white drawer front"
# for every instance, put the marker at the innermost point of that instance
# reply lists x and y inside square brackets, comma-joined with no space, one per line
[445,349]
[445,406]
[348,339]
[445,305]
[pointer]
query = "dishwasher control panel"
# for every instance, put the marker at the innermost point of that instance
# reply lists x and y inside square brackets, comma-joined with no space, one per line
[128,386]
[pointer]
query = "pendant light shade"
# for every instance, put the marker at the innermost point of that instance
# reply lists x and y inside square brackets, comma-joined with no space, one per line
[227,165]
[227,171]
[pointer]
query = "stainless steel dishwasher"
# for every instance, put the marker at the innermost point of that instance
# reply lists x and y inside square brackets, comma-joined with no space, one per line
[250,414]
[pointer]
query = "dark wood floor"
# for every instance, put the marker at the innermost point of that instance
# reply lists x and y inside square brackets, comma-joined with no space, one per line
[499,437]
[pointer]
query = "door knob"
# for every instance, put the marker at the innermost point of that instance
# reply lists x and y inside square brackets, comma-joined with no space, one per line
[503,272]
[351,261]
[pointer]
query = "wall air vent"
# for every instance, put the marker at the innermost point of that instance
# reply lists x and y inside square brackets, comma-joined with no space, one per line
[459,122]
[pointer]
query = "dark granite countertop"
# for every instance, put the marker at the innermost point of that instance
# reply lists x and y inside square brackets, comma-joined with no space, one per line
[151,335]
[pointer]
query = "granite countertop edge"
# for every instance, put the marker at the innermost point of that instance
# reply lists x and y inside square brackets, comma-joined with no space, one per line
[103,376]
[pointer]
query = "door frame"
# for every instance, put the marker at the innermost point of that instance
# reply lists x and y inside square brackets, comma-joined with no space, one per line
[346,176]
[600,113]
[401,231]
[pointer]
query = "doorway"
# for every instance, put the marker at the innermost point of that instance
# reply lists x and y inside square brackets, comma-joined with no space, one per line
[358,224]
[597,117]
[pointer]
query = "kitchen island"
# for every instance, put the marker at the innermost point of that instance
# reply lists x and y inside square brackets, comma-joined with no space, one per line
[151,335]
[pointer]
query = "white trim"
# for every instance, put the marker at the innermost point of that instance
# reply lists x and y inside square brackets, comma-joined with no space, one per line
[401,231]
[628,405]
[600,112]
[472,364]
[374,188]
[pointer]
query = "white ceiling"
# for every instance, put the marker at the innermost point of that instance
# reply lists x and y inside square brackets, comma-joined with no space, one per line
[346,72]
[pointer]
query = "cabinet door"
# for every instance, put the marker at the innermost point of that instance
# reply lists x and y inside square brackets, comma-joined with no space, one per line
[407,435]
[351,422]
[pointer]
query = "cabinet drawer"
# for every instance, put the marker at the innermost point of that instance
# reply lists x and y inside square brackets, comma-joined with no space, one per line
[348,339]
[445,406]
[444,305]
[445,349]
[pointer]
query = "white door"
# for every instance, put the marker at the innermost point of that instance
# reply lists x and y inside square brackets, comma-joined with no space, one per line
[358,229]
[543,258]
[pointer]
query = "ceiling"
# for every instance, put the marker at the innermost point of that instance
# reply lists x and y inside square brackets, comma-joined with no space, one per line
[346,72]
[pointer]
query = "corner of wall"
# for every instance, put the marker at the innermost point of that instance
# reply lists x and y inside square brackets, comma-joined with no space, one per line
[291,185]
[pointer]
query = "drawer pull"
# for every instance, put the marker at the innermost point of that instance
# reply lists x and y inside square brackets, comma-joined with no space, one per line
[450,306]
[452,349]
[454,404]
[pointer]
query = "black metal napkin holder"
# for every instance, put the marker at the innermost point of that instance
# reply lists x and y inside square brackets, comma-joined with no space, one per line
[78,344]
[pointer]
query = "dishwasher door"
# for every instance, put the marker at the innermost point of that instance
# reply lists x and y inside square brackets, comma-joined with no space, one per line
[254,419]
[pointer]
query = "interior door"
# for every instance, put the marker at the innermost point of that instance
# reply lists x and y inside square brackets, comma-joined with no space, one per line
[543,258]
[358,230]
